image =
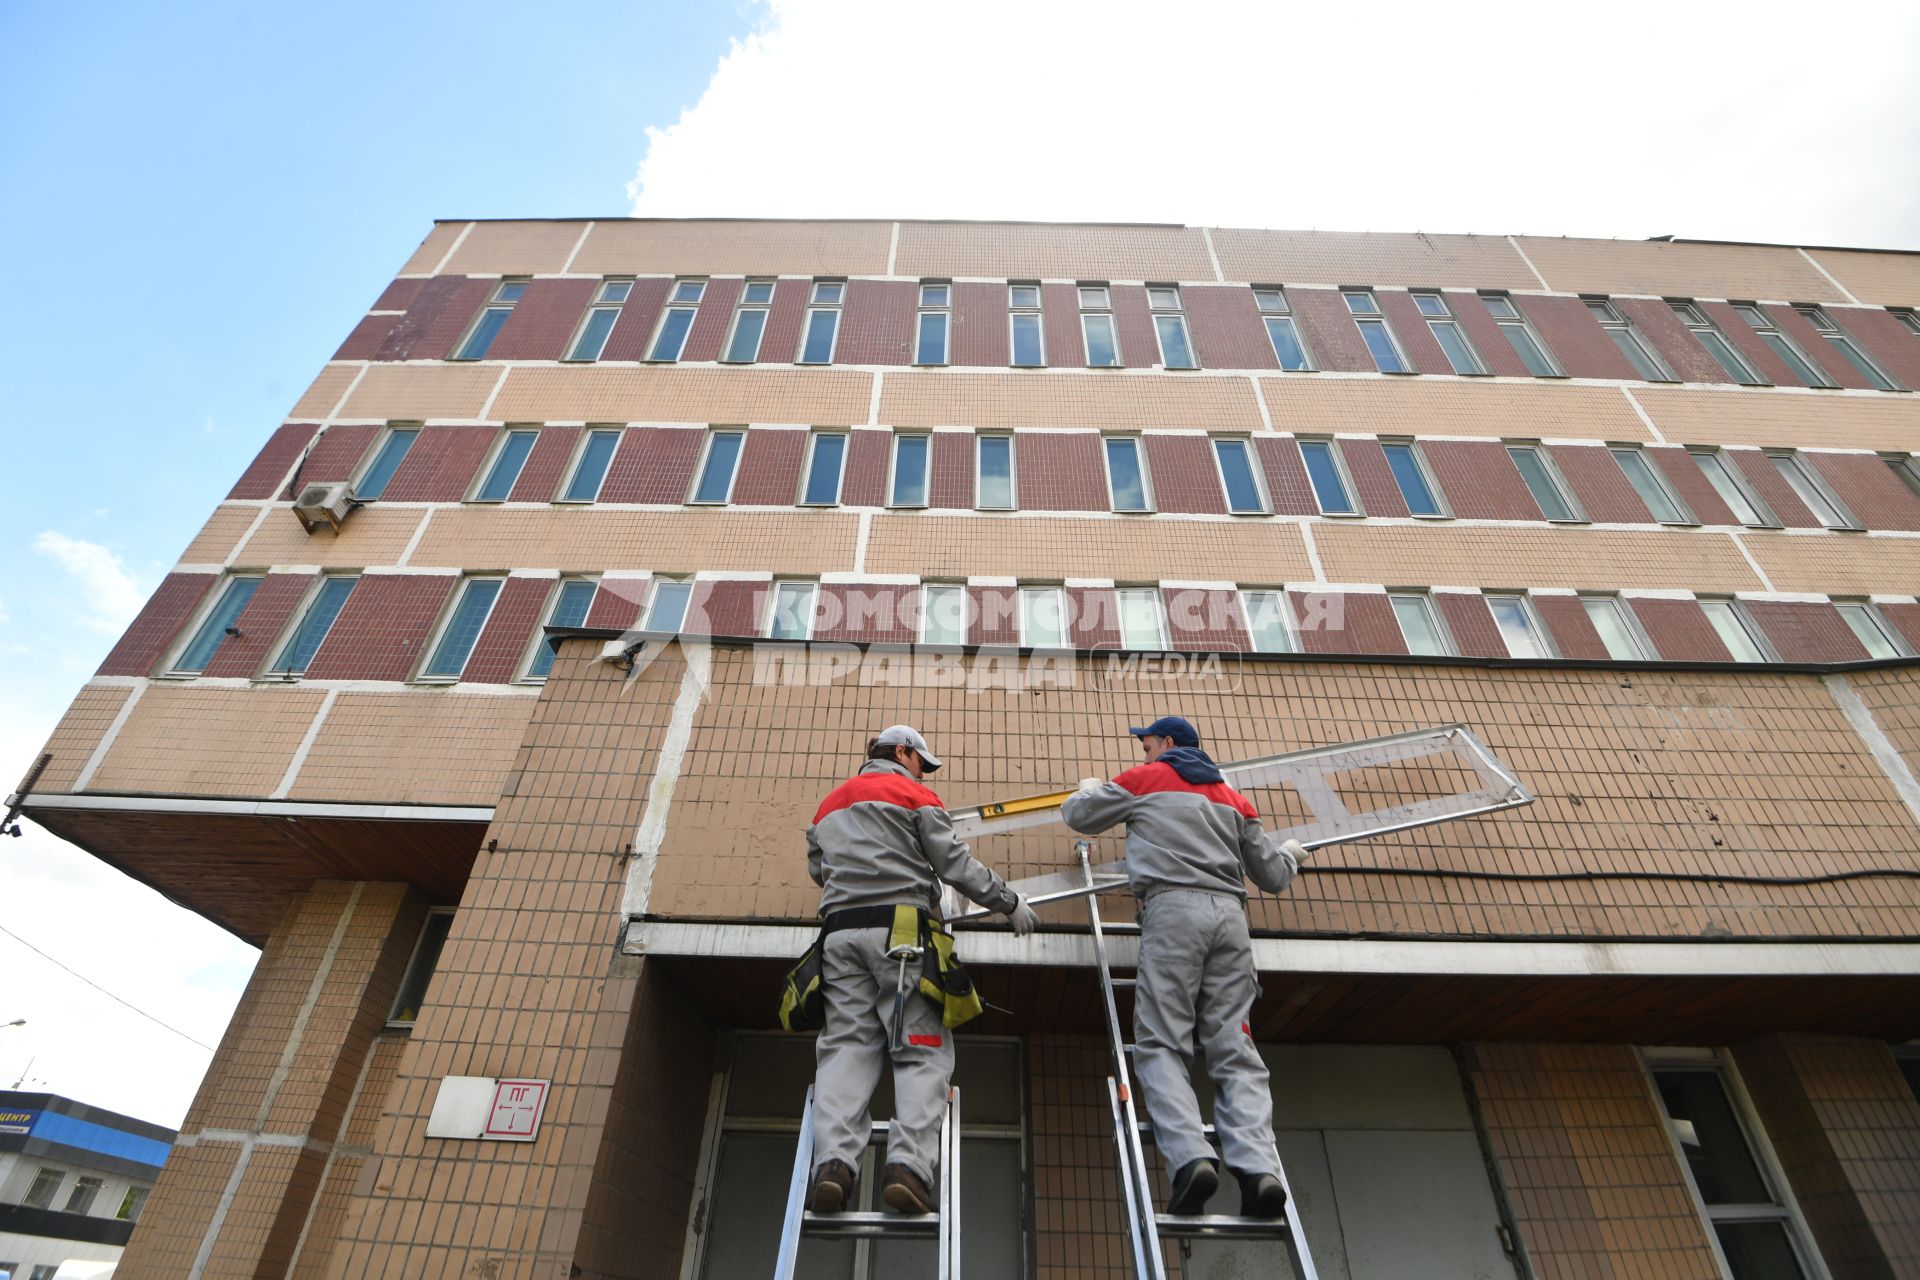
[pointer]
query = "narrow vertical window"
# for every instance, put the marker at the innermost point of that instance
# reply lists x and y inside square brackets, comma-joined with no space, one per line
[507,464]
[716,471]
[792,617]
[1420,625]
[1096,326]
[597,325]
[1545,487]
[1730,623]
[393,451]
[1373,329]
[1745,505]
[1902,466]
[1851,351]
[1409,468]
[462,630]
[1520,335]
[1781,345]
[993,485]
[910,457]
[486,327]
[1288,348]
[667,609]
[1615,626]
[1640,474]
[826,456]
[749,322]
[1126,477]
[1043,618]
[310,631]
[1813,491]
[81,1200]
[1170,325]
[133,1203]
[420,968]
[1142,624]
[1716,344]
[823,322]
[1023,320]
[214,627]
[590,471]
[671,337]
[45,1183]
[1269,621]
[943,614]
[1519,626]
[1330,488]
[1237,475]
[930,342]
[570,607]
[1623,336]
[1448,333]
[1879,640]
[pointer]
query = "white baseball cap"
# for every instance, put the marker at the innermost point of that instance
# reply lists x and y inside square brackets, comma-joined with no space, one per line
[905,735]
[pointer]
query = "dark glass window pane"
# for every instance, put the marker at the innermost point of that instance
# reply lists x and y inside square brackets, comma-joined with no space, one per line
[1123,472]
[820,329]
[1636,355]
[669,608]
[933,338]
[570,610]
[206,641]
[996,471]
[1328,488]
[1102,353]
[716,479]
[506,467]
[673,334]
[1791,358]
[746,336]
[1710,1134]
[475,347]
[1540,484]
[1286,343]
[1413,483]
[585,485]
[426,957]
[1026,340]
[1459,354]
[463,629]
[1243,494]
[385,463]
[1859,362]
[823,474]
[1758,1251]
[1717,347]
[1385,358]
[1528,350]
[593,337]
[313,628]
[1174,347]
[910,471]
[1910,1068]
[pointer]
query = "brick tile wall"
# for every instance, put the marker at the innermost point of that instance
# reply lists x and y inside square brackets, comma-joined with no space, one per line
[1080,1233]
[544,320]
[1818,349]
[158,622]
[1416,339]
[260,625]
[1599,485]
[1060,326]
[441,464]
[1139,346]
[1332,339]
[880,612]
[996,616]
[368,337]
[1886,339]
[1488,339]
[617,602]
[1765,479]
[437,319]
[1379,492]
[1573,632]
[655,464]
[1471,622]
[1226,327]
[786,322]
[1877,497]
[1679,630]
[1480,480]
[1095,618]
[1206,619]
[1288,488]
[274,460]
[770,465]
[1757,353]
[1575,338]
[1906,620]
[877,323]
[950,475]
[633,331]
[1062,472]
[728,608]
[399,294]
[546,465]
[383,628]
[1684,477]
[980,334]
[712,321]
[869,460]
[504,642]
[1366,624]
[334,456]
[1664,332]
[1184,477]
[1802,631]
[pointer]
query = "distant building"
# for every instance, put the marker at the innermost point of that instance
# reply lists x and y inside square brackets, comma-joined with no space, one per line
[73,1180]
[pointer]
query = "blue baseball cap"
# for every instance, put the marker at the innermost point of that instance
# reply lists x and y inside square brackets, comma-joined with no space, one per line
[1179,731]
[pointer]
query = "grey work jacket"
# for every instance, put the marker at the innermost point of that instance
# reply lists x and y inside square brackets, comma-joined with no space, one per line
[881,838]
[1183,835]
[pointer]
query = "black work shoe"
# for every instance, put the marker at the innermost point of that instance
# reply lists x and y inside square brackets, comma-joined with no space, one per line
[1261,1196]
[1193,1186]
[904,1191]
[832,1187]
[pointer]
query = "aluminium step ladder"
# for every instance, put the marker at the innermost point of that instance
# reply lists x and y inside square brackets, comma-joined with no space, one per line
[942,1225]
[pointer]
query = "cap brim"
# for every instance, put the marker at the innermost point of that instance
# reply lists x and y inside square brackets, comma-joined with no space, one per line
[931,762]
[1140,733]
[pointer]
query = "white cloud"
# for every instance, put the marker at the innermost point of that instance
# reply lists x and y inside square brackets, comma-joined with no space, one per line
[109,594]
[1631,120]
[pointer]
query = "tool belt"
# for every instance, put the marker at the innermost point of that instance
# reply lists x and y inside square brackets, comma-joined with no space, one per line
[803,1005]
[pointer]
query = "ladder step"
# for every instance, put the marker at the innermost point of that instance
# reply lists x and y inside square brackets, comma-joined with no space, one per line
[1206,1130]
[1200,1225]
[872,1226]
[1124,982]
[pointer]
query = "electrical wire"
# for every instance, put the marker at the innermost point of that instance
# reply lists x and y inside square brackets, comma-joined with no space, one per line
[102,990]
[1690,877]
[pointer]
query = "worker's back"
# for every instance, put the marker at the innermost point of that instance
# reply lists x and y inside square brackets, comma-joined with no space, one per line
[1182,834]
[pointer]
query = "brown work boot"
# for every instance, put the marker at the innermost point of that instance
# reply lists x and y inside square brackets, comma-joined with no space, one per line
[904,1191]
[832,1187]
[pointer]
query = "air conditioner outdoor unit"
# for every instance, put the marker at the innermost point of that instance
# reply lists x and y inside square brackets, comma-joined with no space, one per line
[324,504]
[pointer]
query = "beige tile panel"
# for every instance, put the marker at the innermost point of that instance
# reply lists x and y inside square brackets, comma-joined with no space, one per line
[1878,279]
[1073,251]
[414,747]
[433,248]
[1042,547]
[208,742]
[1838,564]
[78,733]
[1370,258]
[1426,408]
[1120,402]
[574,393]
[325,392]
[1531,557]
[515,248]
[220,535]
[668,541]
[373,535]
[422,391]
[1894,698]
[1783,420]
[672,247]
[1685,270]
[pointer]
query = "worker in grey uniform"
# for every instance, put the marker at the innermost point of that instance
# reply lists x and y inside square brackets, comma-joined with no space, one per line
[1192,841]
[882,840]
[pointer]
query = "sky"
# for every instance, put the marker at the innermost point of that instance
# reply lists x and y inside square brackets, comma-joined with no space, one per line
[203,198]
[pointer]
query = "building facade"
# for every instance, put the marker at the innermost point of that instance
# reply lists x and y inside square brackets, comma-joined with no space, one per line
[502,752]
[74,1180]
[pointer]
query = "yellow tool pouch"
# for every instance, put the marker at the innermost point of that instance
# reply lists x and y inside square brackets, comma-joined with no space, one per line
[943,979]
[803,1006]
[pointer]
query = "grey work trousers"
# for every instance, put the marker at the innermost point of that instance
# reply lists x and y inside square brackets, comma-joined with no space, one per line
[858,981]
[1196,970]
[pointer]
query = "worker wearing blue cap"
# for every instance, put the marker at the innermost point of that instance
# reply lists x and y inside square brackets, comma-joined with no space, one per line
[1192,843]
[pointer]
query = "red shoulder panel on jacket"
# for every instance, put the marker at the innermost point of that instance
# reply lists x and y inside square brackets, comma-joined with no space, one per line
[877,788]
[1145,779]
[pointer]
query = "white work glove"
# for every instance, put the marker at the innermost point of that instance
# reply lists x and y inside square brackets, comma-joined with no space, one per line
[1092,784]
[1023,918]
[1299,851]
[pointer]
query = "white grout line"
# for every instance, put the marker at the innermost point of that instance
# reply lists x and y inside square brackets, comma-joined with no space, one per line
[498,386]
[893,248]
[413,543]
[1815,263]
[1313,552]
[1884,753]
[341,403]
[107,739]
[241,544]
[873,400]
[454,248]
[333,1152]
[666,773]
[306,744]
[1206,233]
[1753,564]
[1260,402]
[578,245]
[860,542]
[1650,424]
[1529,261]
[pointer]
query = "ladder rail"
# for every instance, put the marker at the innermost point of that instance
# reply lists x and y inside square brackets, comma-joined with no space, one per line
[789,1254]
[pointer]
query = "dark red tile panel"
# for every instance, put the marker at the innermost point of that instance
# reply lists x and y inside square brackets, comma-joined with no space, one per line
[368,337]
[1061,471]
[438,317]
[1226,327]
[1868,487]
[868,458]
[1200,618]
[1599,484]
[1576,339]
[877,612]
[876,325]
[786,322]
[440,466]
[1905,619]
[1679,630]
[1346,622]
[1471,622]
[770,465]
[335,456]
[1139,348]
[1288,488]
[1806,631]
[260,625]
[546,465]
[1764,479]
[1487,338]
[158,622]
[617,602]
[639,316]
[1480,480]
[1838,368]
[712,321]
[383,629]
[1756,353]
[727,608]
[1060,326]
[1332,339]
[1379,491]
[1183,476]
[1685,479]
[980,334]
[1664,332]
[1093,618]
[399,295]
[504,641]
[1886,339]
[654,464]
[950,474]
[996,616]
[1572,630]
[544,320]
[1416,339]
[269,467]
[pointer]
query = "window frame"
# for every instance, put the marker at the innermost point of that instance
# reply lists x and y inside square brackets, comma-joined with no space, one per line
[1518,321]
[373,457]
[1737,611]
[806,469]
[1289,625]
[811,617]
[1023,593]
[923,610]
[1375,316]
[1906,468]
[926,472]
[1621,332]
[1629,622]
[1721,348]
[524,672]
[394,1020]
[706,457]
[1336,455]
[1775,339]
[944,310]
[53,1189]
[493,303]
[1263,505]
[979,471]
[1104,309]
[203,616]
[740,310]
[1863,607]
[1284,315]
[450,611]
[1443,633]
[1139,446]
[1419,458]
[579,460]
[1816,483]
[1842,341]
[1683,513]
[291,629]
[1162,637]
[1451,321]
[674,305]
[599,304]
[1735,477]
[816,306]
[1015,312]
[1176,313]
[1543,638]
[1575,513]
[654,588]
[492,463]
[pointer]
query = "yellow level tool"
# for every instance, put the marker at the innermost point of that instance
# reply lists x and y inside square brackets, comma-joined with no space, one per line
[1024,804]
